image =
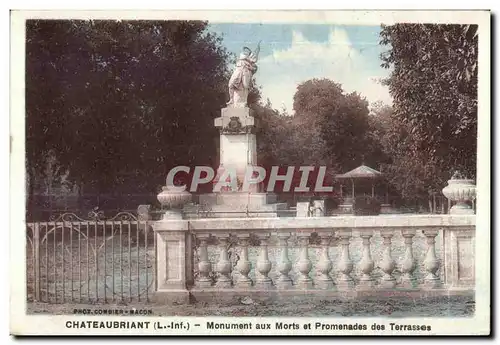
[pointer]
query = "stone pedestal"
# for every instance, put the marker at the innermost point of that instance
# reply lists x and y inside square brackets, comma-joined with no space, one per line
[238,143]
[303,209]
[238,155]
[174,252]
[459,258]
[174,265]
[238,199]
[236,205]
[214,207]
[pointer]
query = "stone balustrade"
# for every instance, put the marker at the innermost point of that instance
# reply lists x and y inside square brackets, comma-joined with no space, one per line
[414,255]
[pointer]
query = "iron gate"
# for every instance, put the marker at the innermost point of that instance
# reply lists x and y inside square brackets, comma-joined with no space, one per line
[93,260]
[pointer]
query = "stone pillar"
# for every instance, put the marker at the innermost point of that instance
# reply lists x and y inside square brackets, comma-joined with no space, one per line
[459,263]
[303,209]
[173,250]
[172,257]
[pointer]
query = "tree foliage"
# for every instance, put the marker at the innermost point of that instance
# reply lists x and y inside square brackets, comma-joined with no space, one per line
[410,173]
[339,125]
[433,82]
[330,128]
[121,102]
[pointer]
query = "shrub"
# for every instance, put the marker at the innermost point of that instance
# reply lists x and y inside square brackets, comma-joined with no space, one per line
[366,206]
[331,203]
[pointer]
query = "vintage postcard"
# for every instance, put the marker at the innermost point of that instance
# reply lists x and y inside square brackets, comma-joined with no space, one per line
[250,173]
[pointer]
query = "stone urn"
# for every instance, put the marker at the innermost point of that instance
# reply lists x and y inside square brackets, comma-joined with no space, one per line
[462,191]
[173,201]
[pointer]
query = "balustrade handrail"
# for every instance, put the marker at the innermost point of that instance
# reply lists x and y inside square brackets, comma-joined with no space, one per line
[335,222]
[90,222]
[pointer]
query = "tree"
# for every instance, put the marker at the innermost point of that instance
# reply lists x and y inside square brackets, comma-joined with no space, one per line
[433,82]
[330,128]
[121,102]
[337,123]
[409,175]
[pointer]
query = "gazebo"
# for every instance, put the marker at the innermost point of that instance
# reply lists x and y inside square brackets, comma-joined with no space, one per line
[362,174]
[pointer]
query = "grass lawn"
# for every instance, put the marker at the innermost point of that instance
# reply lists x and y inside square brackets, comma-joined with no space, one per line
[457,306]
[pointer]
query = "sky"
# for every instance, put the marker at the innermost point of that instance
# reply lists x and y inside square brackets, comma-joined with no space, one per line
[291,54]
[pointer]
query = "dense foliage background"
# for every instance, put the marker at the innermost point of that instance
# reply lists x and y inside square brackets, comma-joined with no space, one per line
[111,106]
[434,117]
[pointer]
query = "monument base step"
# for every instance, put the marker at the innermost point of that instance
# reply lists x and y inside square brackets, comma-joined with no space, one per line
[252,207]
[236,199]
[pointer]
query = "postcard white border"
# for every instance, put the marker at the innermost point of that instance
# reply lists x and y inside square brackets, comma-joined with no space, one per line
[44,324]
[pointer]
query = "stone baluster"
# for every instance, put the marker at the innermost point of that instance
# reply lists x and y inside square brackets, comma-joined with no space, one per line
[324,281]
[387,264]
[285,265]
[243,266]
[431,262]
[345,281]
[223,267]
[304,265]
[263,263]
[366,264]
[408,263]
[204,266]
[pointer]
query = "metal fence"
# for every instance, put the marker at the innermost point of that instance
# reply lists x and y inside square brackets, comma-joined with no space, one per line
[92,260]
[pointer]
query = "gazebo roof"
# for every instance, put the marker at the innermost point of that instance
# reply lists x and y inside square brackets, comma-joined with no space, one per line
[362,171]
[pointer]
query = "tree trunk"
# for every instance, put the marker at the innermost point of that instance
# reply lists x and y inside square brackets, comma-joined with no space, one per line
[30,204]
[80,198]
